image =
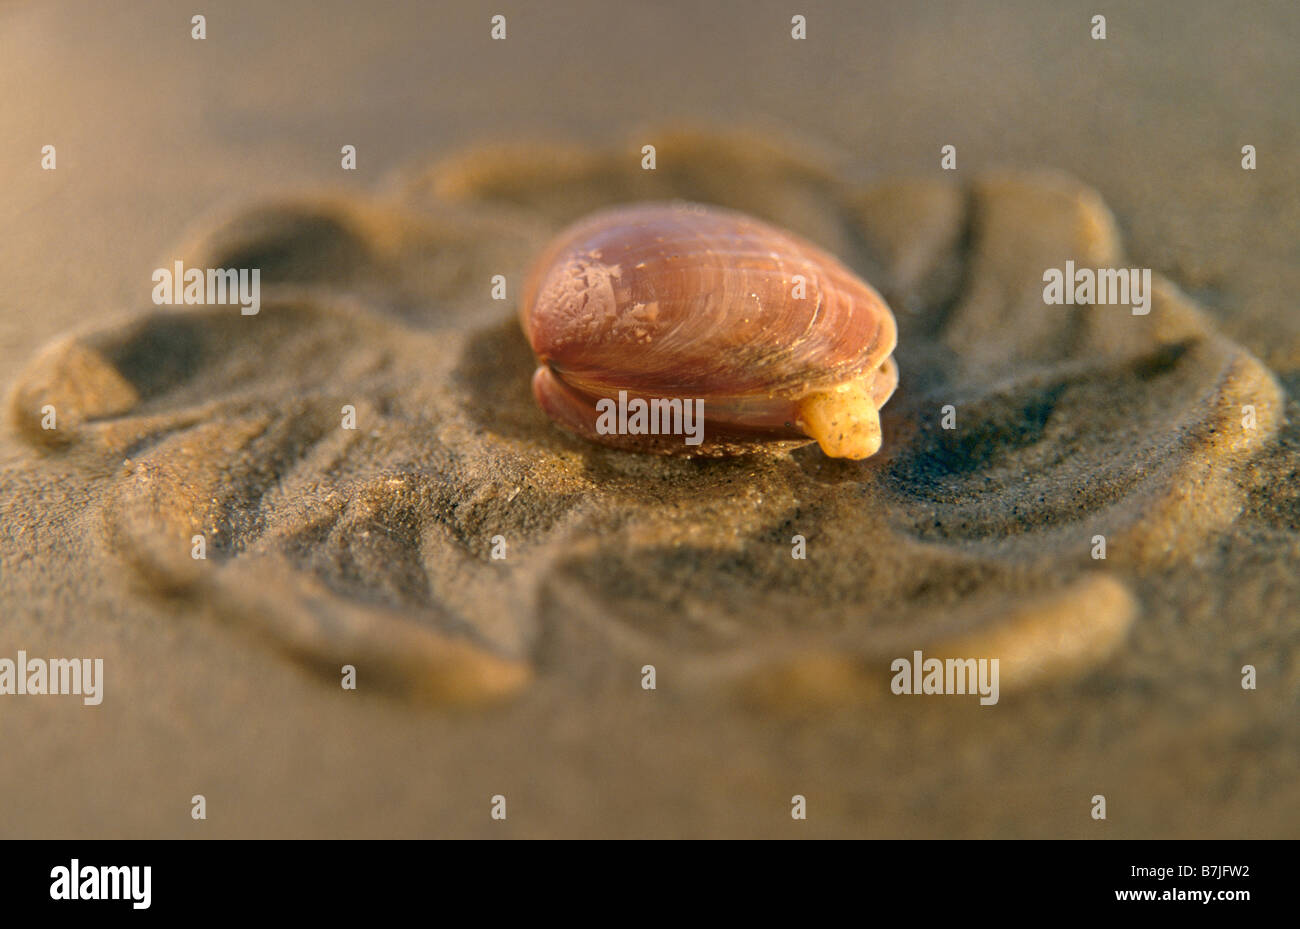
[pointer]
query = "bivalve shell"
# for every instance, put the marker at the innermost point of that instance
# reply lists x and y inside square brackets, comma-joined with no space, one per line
[761,337]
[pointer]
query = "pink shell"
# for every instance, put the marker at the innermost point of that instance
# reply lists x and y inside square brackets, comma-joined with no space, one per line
[685,301]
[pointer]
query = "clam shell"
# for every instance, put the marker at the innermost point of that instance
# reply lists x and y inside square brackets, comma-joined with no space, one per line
[686,301]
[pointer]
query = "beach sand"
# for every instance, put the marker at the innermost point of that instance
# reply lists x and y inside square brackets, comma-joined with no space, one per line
[1171,434]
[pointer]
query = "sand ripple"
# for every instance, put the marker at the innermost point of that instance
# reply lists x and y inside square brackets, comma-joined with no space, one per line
[373,546]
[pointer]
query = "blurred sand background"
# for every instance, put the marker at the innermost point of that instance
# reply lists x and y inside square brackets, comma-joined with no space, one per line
[156,132]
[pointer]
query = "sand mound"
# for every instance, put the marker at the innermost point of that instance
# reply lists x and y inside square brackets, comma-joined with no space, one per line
[373,546]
